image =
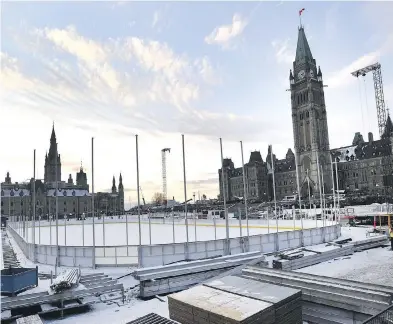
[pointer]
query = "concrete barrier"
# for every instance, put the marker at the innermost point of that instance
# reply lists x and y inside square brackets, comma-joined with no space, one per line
[163,254]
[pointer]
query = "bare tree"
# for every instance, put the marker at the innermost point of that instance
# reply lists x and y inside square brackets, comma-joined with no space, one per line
[158,198]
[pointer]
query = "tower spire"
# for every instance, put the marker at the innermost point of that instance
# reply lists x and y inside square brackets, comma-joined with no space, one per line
[303,51]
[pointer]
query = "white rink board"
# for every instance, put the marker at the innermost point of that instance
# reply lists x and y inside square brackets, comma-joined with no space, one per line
[115,231]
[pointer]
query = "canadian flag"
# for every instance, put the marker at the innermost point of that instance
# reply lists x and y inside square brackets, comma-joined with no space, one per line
[300,11]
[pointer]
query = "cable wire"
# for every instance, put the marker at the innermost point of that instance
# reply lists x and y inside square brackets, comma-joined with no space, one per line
[365,96]
[361,104]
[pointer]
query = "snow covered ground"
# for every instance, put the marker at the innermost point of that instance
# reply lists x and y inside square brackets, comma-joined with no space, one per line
[375,265]
[74,233]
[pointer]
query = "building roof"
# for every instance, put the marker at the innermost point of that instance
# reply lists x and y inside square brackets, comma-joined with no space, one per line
[15,192]
[363,151]
[68,193]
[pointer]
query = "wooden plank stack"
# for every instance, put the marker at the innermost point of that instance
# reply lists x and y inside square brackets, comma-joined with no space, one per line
[287,302]
[67,279]
[32,319]
[235,300]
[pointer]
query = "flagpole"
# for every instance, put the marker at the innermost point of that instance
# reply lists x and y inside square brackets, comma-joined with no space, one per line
[338,194]
[320,188]
[138,188]
[245,188]
[57,214]
[34,210]
[224,196]
[185,191]
[298,189]
[92,202]
[334,194]
[274,187]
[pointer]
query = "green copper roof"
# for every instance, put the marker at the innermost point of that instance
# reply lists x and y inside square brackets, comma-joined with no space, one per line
[303,52]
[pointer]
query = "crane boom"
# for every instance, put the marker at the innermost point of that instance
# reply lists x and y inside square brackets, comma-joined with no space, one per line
[378,89]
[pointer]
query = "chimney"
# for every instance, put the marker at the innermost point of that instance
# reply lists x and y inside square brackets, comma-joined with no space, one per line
[370,137]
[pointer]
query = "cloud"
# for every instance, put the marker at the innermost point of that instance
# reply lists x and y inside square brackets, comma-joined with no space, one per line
[225,35]
[343,76]
[156,18]
[284,53]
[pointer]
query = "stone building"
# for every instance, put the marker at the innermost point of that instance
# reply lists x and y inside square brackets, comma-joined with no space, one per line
[256,179]
[362,165]
[72,198]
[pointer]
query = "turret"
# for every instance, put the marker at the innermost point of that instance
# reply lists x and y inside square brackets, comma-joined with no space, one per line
[114,190]
[121,183]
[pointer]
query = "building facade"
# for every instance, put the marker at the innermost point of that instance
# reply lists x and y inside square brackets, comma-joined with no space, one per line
[73,199]
[363,165]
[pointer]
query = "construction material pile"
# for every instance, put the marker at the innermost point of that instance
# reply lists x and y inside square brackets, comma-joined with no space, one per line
[176,277]
[328,300]
[236,300]
[65,280]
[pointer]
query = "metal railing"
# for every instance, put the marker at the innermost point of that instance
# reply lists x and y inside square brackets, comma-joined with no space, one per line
[384,317]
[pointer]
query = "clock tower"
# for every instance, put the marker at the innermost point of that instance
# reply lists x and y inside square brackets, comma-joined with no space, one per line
[309,120]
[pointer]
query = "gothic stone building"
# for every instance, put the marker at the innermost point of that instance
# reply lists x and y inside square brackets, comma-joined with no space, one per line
[360,165]
[74,199]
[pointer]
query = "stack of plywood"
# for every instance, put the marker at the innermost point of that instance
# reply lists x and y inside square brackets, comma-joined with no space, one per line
[287,302]
[236,300]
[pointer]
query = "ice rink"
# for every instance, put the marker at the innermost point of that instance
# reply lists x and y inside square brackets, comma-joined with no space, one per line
[80,233]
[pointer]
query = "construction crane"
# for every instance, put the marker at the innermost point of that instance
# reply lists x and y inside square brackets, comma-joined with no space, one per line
[164,187]
[143,198]
[381,112]
[378,89]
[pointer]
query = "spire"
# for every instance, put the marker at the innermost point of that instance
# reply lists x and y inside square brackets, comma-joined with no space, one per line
[114,185]
[388,128]
[120,183]
[53,136]
[303,52]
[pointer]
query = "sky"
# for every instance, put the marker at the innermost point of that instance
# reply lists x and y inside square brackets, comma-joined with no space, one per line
[111,70]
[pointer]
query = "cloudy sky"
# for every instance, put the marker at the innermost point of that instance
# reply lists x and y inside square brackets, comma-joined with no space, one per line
[110,70]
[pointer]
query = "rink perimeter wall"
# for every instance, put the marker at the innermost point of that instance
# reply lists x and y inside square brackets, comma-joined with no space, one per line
[162,254]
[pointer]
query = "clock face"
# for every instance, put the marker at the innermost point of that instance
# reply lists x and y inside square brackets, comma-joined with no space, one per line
[301,74]
[311,73]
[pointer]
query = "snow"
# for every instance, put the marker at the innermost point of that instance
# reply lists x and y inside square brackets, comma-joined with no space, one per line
[74,233]
[374,266]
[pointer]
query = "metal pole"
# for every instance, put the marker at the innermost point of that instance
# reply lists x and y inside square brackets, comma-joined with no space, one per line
[149,228]
[65,230]
[274,188]
[103,230]
[320,188]
[50,225]
[92,202]
[173,225]
[245,188]
[137,185]
[83,228]
[323,197]
[240,221]
[309,194]
[298,190]
[334,194]
[56,213]
[338,194]
[224,196]
[195,224]
[185,190]
[34,211]
[215,227]
[126,230]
